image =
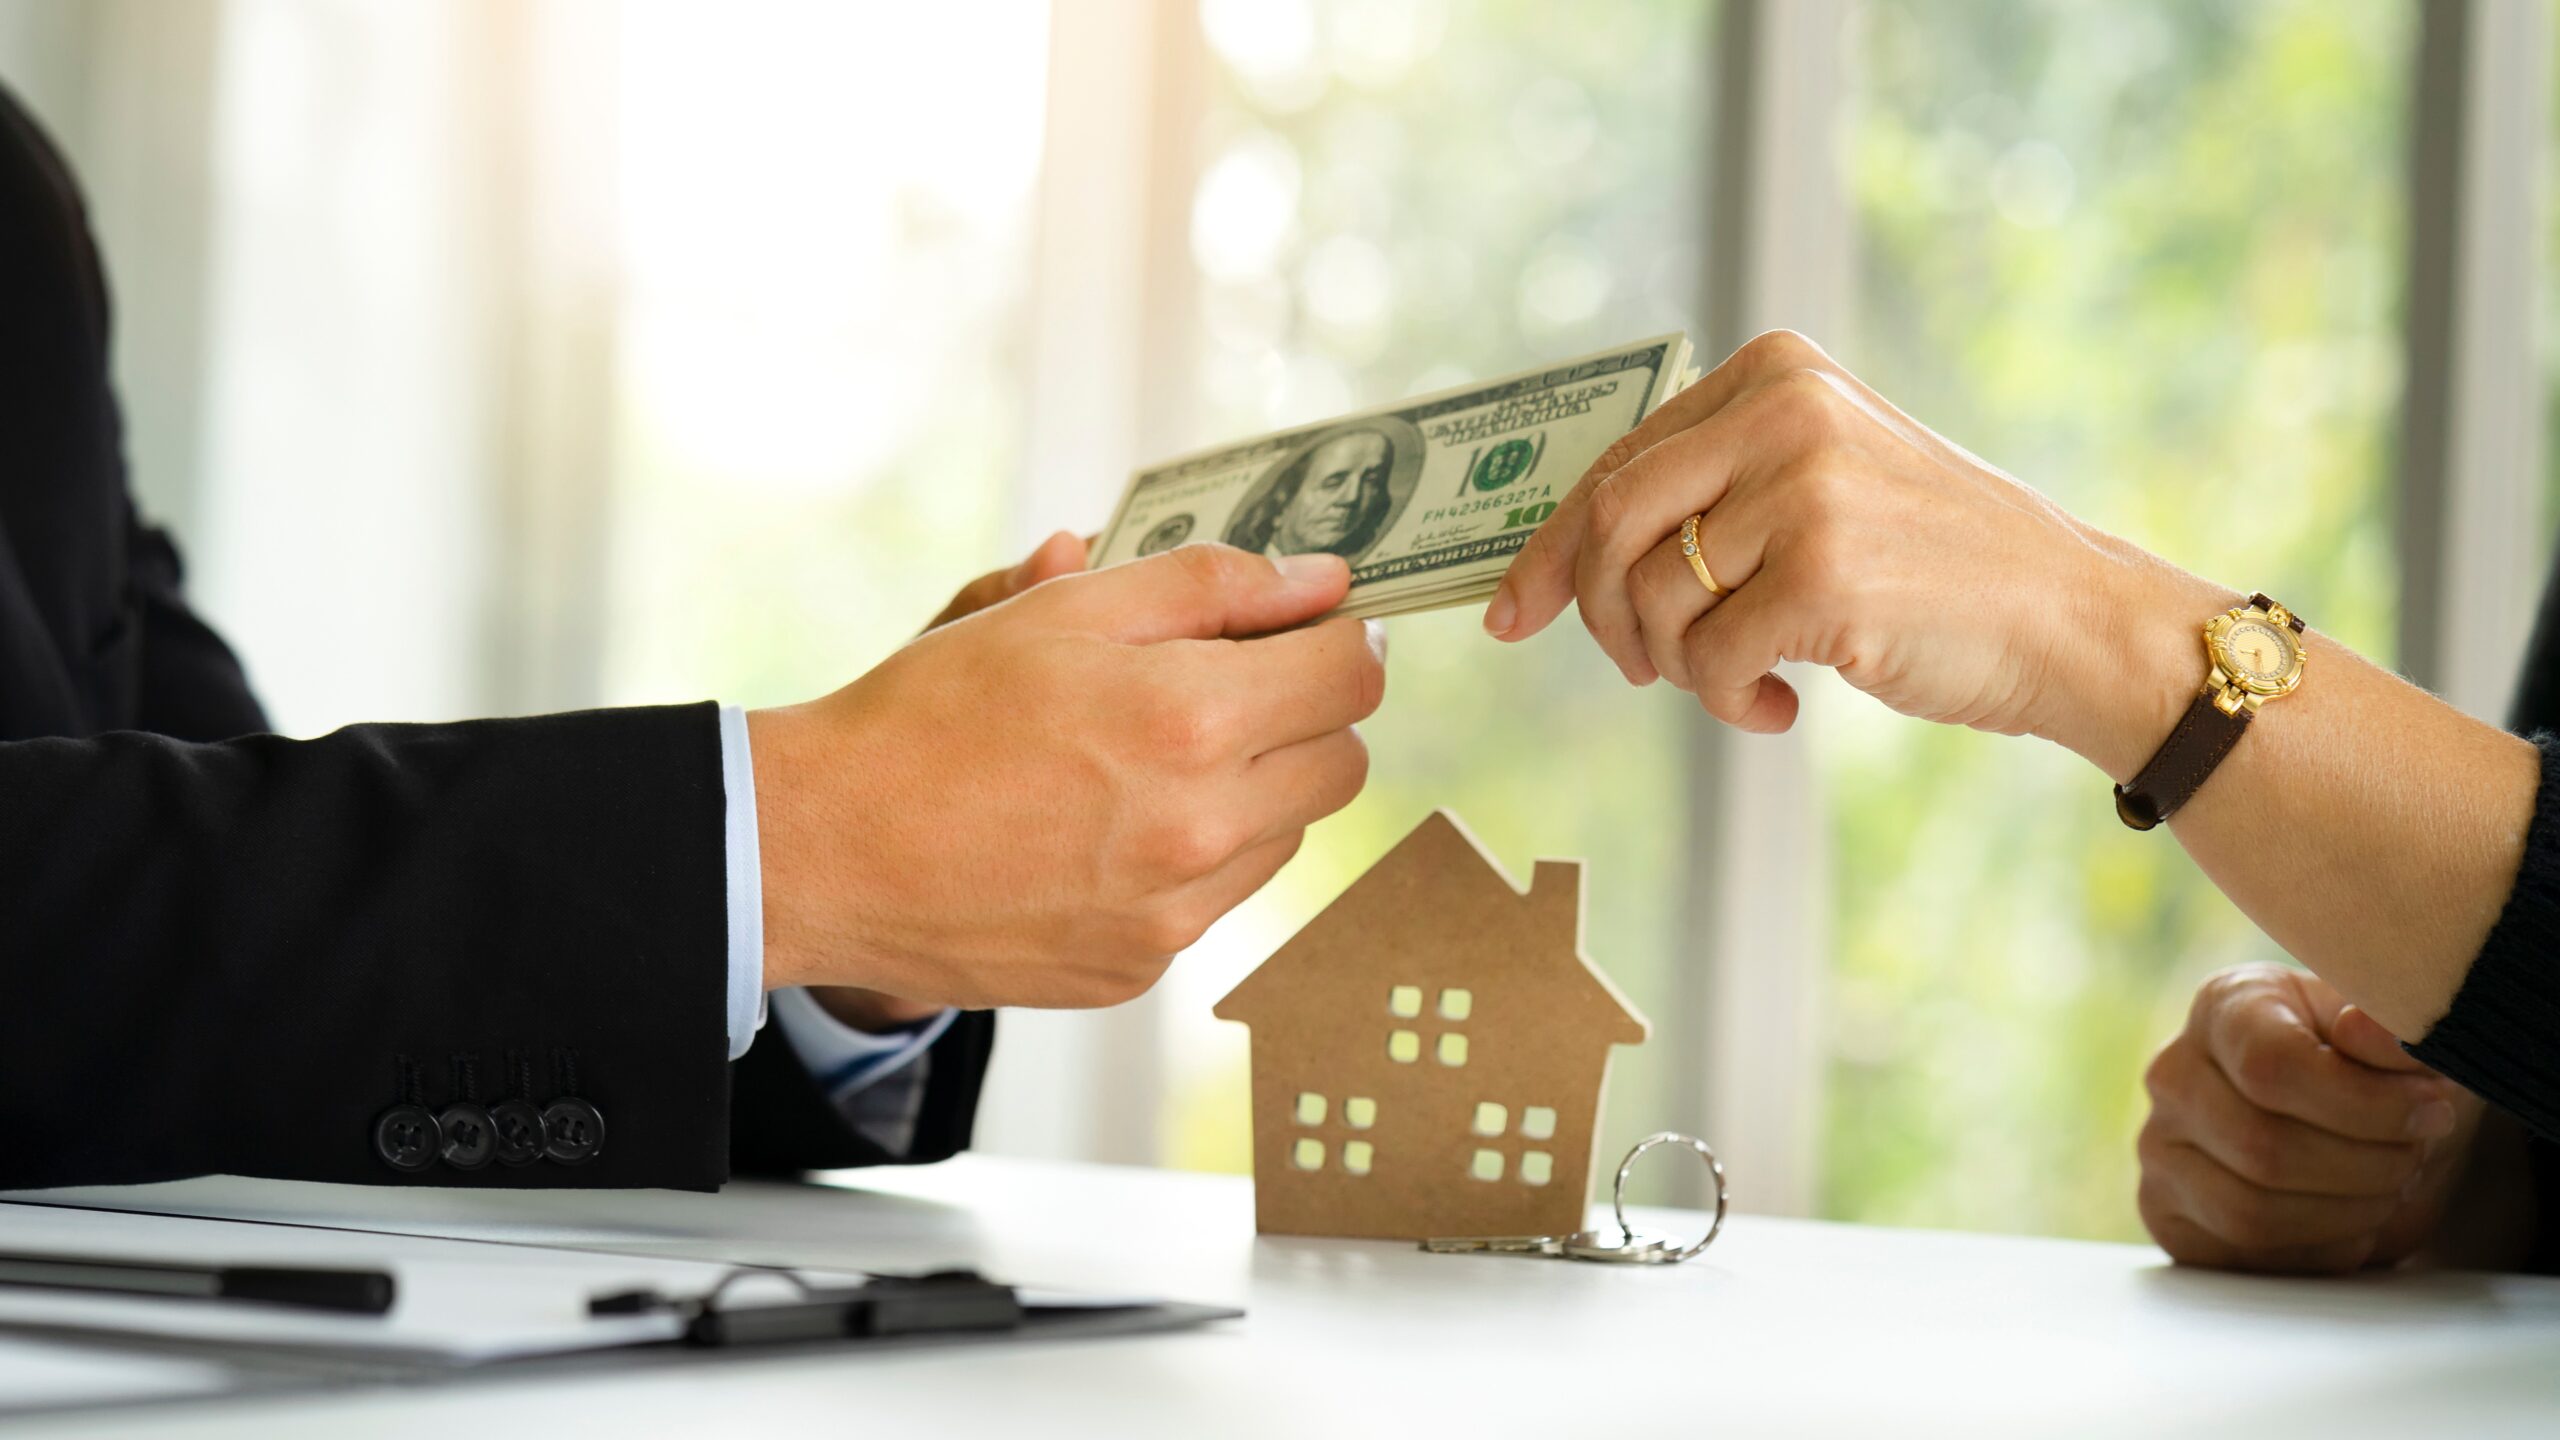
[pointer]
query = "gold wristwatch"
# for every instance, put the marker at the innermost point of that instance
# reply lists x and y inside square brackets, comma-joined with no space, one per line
[2255,655]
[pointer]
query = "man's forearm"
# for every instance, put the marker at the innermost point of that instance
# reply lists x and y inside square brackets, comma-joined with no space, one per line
[2371,829]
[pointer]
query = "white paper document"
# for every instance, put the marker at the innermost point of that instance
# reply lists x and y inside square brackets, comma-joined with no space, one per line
[461,1302]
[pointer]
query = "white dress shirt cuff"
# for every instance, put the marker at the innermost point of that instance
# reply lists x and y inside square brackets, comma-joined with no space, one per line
[746,884]
[845,1061]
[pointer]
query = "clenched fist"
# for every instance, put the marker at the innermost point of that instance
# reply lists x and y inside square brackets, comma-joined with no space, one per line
[1040,803]
[2290,1132]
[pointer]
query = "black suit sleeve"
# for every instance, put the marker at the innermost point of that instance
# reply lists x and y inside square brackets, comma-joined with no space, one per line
[217,955]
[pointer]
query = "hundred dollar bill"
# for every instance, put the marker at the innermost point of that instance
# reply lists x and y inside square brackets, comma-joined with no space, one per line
[1428,498]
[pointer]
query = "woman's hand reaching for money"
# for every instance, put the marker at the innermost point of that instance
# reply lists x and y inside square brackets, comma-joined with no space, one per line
[1846,534]
[2370,829]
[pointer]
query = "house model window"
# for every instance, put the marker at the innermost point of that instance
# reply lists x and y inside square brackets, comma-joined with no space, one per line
[1429,1052]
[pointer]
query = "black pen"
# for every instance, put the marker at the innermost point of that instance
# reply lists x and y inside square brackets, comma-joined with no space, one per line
[354,1292]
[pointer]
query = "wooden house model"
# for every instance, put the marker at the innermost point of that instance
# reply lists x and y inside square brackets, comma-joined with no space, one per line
[1429,1053]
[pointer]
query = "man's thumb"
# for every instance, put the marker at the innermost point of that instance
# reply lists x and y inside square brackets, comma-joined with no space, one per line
[1203,592]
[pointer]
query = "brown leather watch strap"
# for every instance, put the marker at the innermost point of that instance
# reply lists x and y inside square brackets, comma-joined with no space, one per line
[2260,601]
[2202,737]
[2212,725]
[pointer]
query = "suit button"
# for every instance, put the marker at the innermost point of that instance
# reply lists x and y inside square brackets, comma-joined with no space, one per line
[407,1138]
[470,1139]
[573,1131]
[520,1139]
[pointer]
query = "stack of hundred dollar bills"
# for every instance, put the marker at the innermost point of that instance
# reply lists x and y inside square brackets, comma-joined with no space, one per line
[1428,499]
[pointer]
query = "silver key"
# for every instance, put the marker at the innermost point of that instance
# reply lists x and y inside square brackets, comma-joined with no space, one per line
[1622,1248]
[1546,1245]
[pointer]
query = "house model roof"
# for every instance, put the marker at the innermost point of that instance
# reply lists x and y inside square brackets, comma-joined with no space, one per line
[1438,905]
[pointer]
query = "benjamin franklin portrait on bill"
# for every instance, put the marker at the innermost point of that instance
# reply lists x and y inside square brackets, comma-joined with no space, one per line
[1338,495]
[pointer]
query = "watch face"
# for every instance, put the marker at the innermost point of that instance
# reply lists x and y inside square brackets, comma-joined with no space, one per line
[2256,651]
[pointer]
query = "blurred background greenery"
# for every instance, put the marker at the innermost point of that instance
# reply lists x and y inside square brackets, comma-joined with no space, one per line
[2148,258]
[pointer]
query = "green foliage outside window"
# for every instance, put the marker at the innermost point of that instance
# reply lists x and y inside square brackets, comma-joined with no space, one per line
[2148,258]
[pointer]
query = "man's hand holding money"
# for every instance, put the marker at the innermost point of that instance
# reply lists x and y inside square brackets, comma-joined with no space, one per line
[1041,803]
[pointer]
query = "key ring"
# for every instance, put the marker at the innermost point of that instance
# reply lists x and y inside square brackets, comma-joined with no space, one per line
[1663,1253]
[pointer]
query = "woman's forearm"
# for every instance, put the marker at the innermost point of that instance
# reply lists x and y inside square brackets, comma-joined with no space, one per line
[2369,828]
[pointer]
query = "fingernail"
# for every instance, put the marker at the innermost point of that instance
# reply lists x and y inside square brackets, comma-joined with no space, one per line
[1375,633]
[1499,615]
[1312,569]
[2431,1121]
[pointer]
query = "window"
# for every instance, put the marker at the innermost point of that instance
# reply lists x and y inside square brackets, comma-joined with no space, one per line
[1485,1165]
[1358,1112]
[1457,1004]
[815,449]
[1404,1001]
[1537,1167]
[1404,1047]
[1538,1122]
[1453,1050]
[1491,1119]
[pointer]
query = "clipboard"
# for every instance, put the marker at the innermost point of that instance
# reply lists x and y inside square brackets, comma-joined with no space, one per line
[942,1304]
[482,1308]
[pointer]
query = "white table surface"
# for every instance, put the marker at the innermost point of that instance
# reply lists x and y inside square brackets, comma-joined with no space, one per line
[1785,1327]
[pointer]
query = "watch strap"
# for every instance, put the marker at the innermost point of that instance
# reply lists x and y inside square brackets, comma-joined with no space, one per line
[2259,600]
[2202,737]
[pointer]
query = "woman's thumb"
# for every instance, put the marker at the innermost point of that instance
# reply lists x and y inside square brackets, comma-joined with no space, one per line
[2360,1037]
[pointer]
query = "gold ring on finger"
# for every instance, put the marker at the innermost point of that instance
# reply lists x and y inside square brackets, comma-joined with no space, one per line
[1697,562]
